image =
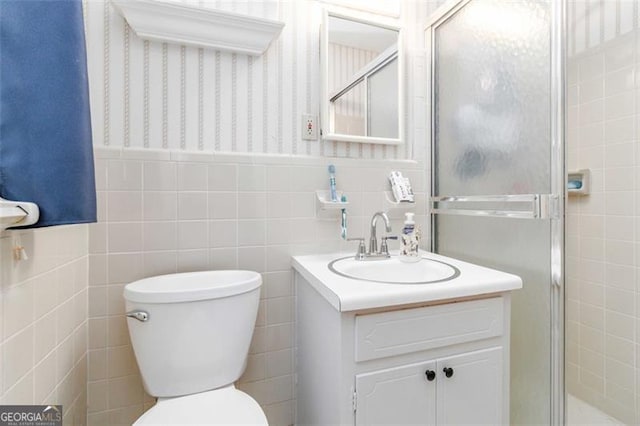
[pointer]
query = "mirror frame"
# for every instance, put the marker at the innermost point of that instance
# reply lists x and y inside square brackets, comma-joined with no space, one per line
[326,118]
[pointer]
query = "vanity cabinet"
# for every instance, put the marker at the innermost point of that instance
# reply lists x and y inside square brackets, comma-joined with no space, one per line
[428,363]
[460,389]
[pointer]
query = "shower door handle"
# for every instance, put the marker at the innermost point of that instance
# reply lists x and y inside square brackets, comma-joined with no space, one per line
[518,206]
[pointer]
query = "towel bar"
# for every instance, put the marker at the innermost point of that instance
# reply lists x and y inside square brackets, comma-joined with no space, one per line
[17,213]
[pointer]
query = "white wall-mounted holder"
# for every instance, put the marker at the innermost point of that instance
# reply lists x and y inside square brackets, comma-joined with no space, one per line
[323,201]
[187,24]
[390,204]
[17,213]
[579,182]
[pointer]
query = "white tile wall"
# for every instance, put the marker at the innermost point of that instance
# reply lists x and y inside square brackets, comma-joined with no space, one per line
[603,316]
[43,319]
[253,215]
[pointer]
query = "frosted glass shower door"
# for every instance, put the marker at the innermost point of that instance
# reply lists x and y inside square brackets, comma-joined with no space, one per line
[494,200]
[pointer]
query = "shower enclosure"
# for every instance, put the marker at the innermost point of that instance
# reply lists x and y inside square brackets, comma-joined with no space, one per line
[526,95]
[498,175]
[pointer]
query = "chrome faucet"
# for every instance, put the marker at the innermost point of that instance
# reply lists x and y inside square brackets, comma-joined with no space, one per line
[373,252]
[373,240]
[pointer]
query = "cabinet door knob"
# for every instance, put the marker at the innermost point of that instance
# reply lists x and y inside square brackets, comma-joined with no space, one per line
[448,371]
[430,375]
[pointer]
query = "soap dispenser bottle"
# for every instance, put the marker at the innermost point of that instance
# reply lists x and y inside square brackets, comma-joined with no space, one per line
[409,243]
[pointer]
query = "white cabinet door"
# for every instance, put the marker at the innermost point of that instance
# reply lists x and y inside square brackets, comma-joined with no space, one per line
[473,394]
[397,396]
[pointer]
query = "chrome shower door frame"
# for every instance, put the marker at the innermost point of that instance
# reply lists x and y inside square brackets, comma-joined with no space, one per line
[558,186]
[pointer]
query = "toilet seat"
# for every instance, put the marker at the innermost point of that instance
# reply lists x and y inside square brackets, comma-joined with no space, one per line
[225,406]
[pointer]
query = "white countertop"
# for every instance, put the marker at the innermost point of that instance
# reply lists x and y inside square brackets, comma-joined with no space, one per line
[347,294]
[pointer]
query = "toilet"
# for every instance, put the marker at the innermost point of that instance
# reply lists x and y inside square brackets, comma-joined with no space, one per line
[190,334]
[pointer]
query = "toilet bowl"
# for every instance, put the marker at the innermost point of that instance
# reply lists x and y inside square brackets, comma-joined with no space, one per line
[191,333]
[226,406]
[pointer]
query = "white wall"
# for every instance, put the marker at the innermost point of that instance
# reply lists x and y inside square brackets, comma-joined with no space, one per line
[169,99]
[167,96]
[43,319]
[183,182]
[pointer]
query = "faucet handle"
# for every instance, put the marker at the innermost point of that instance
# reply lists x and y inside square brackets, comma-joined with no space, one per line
[362,248]
[384,249]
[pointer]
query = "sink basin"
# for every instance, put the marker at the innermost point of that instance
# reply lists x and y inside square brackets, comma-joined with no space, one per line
[393,271]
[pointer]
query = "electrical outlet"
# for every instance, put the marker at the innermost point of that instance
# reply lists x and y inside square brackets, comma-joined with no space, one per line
[309,131]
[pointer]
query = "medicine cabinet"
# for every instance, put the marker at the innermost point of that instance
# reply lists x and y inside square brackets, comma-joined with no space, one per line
[362,89]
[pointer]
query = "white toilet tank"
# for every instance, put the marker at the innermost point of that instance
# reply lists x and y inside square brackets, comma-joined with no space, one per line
[191,332]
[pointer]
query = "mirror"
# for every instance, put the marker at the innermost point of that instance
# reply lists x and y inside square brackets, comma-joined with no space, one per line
[361,89]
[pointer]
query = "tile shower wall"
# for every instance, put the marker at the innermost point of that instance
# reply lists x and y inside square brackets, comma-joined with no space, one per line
[43,319]
[162,212]
[603,228]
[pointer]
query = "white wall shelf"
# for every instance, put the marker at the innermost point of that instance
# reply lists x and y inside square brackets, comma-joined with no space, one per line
[172,22]
[579,182]
[323,201]
[390,204]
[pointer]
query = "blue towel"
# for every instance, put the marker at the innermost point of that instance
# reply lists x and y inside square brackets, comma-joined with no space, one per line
[46,153]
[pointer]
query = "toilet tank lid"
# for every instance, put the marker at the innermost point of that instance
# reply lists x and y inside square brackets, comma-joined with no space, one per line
[192,286]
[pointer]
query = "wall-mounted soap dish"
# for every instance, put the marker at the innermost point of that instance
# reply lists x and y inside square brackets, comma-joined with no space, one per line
[579,182]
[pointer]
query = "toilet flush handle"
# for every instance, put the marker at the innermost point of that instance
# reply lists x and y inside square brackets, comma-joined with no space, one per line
[139,315]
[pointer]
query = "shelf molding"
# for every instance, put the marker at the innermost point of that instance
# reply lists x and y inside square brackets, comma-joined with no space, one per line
[172,22]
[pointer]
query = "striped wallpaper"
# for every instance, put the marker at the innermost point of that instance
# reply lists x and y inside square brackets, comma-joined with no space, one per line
[165,96]
[591,23]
